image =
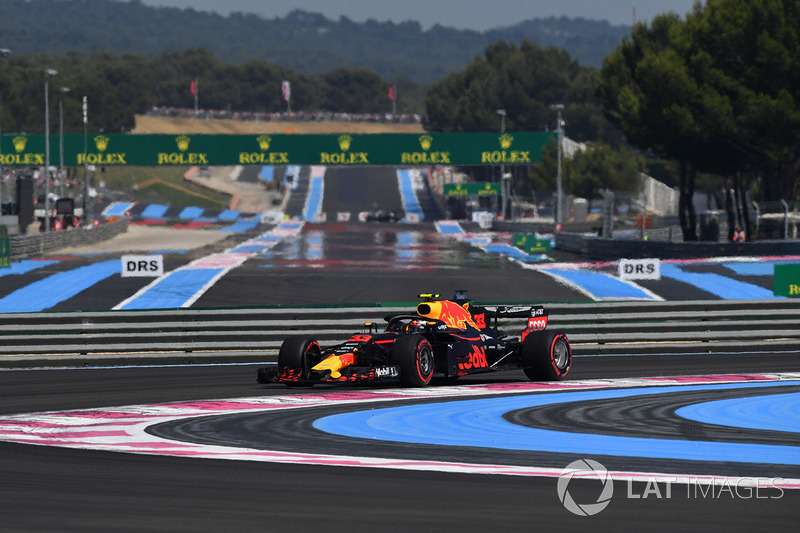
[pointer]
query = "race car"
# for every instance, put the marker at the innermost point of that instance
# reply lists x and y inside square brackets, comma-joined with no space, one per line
[443,337]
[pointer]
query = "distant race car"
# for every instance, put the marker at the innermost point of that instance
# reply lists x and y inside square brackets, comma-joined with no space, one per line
[379,215]
[443,337]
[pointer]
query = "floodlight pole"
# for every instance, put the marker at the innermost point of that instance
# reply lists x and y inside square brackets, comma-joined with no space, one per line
[85,216]
[3,53]
[559,189]
[47,73]
[61,92]
[502,113]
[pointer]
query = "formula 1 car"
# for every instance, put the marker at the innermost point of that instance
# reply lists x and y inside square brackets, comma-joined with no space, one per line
[445,337]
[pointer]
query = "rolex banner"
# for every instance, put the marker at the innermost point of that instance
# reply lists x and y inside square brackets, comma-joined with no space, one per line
[517,148]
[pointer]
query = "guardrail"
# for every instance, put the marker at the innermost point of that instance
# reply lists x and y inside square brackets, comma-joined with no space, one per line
[183,335]
[597,248]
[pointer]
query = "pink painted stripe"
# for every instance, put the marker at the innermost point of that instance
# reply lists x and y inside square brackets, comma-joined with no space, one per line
[227,260]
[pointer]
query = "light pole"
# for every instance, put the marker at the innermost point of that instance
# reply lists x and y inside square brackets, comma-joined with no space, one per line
[4,52]
[47,74]
[61,92]
[559,191]
[85,215]
[502,113]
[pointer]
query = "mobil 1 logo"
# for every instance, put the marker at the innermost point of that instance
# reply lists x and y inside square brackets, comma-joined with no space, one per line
[142,266]
[637,269]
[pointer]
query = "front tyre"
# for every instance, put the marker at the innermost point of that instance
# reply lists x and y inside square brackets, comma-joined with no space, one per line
[414,355]
[295,355]
[546,356]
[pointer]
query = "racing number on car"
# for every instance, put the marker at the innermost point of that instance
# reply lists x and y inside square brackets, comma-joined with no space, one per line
[480,320]
[477,359]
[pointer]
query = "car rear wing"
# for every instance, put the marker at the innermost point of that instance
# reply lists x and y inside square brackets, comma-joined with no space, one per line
[513,311]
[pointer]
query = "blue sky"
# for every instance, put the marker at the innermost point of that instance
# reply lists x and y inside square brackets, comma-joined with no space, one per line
[462,14]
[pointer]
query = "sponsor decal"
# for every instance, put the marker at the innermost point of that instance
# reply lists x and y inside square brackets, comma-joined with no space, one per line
[386,372]
[263,156]
[425,156]
[505,155]
[477,359]
[183,156]
[100,157]
[19,158]
[344,156]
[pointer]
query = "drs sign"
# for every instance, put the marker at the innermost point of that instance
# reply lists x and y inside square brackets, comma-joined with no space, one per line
[631,269]
[141,266]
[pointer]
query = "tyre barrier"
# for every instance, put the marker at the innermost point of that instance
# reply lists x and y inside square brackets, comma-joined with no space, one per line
[24,246]
[256,334]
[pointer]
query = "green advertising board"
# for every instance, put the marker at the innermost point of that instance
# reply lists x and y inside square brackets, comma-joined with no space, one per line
[786,280]
[530,244]
[481,188]
[401,149]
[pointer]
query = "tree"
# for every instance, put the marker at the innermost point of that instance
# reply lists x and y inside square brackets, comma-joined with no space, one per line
[588,172]
[524,80]
[718,92]
[358,88]
[119,87]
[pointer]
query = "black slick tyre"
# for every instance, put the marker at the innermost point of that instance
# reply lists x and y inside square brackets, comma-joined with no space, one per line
[295,354]
[546,356]
[414,355]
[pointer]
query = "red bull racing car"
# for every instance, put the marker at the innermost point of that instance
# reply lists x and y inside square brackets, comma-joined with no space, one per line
[444,337]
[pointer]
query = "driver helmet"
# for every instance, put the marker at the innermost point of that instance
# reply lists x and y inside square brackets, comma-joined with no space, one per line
[412,327]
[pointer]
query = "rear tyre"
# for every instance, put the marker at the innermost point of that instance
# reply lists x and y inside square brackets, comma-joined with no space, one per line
[546,356]
[414,355]
[295,354]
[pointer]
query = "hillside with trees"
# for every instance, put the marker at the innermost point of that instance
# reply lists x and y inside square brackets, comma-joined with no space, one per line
[714,95]
[304,42]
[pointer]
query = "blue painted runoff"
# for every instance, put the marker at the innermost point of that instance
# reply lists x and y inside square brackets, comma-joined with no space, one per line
[24,266]
[251,248]
[449,229]
[721,286]
[479,423]
[314,199]
[174,290]
[513,252]
[759,268]
[600,284]
[407,246]
[776,412]
[117,209]
[241,226]
[410,202]
[228,214]
[52,290]
[267,173]
[291,177]
[154,211]
[191,213]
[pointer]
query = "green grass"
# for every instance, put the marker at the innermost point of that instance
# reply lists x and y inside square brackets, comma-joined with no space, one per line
[162,185]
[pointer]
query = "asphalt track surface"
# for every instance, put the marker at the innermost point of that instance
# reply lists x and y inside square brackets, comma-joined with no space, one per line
[48,488]
[59,489]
